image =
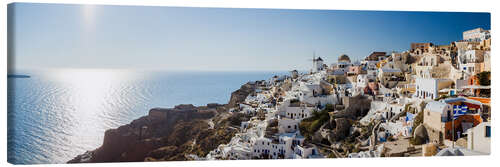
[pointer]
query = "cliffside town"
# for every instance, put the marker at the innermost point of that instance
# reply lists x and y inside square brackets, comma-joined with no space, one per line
[431,100]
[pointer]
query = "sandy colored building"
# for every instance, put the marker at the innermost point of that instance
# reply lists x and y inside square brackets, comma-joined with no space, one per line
[376,56]
[440,125]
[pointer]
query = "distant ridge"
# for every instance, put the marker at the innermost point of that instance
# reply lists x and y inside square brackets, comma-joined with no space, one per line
[17,76]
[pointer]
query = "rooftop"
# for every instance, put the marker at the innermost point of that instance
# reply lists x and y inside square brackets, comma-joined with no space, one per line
[435,106]
[390,70]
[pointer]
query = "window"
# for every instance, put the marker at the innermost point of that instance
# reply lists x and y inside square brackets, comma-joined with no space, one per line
[488,131]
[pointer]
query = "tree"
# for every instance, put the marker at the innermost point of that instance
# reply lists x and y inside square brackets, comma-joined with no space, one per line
[484,80]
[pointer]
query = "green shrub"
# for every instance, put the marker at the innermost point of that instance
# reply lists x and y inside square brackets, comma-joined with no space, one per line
[329,107]
[484,78]
[310,125]
[332,155]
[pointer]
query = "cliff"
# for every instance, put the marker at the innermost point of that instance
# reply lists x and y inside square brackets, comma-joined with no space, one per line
[170,134]
[241,94]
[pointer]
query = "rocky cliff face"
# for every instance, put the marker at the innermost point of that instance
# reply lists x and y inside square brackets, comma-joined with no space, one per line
[241,94]
[169,134]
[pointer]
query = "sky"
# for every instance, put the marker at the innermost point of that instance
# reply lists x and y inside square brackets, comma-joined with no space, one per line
[43,36]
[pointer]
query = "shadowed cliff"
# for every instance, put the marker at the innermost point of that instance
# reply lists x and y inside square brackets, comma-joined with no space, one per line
[170,134]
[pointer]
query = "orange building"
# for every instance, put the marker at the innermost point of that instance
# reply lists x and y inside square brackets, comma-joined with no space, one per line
[439,122]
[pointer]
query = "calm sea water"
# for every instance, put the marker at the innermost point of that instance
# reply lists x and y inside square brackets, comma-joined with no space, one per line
[55,115]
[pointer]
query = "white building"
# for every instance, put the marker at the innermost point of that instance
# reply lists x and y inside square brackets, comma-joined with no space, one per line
[362,81]
[479,138]
[469,61]
[298,111]
[428,88]
[287,125]
[265,146]
[476,35]
[370,67]
[275,147]
[247,109]
[386,74]
[487,61]
[393,109]
[305,151]
[236,153]
[290,140]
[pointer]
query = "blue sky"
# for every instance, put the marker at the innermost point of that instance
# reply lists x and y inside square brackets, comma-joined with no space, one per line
[174,38]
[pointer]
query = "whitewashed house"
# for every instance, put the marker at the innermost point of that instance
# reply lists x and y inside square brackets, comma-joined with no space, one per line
[236,153]
[370,67]
[362,81]
[479,138]
[265,146]
[287,125]
[428,88]
[306,151]
[469,61]
[476,35]
[298,111]
[290,140]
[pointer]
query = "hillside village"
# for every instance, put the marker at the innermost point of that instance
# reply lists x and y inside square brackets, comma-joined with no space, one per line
[431,100]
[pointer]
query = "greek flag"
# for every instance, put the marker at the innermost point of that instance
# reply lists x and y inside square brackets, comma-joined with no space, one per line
[459,110]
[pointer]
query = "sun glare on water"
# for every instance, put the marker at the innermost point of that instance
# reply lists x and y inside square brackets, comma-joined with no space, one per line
[91,96]
[91,87]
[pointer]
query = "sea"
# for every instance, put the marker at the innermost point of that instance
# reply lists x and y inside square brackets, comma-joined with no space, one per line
[55,115]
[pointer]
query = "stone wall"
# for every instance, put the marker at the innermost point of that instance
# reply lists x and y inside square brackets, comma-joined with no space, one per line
[435,136]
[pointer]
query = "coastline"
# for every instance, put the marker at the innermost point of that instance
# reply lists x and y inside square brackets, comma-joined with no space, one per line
[170,133]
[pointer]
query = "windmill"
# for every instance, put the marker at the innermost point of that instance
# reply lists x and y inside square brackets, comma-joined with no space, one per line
[314,57]
[317,63]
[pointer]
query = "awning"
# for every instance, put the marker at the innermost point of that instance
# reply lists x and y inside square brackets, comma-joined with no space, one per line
[476,87]
[445,90]
[482,100]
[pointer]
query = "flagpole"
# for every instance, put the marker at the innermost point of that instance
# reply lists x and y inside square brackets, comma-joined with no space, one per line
[453,131]
[455,111]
